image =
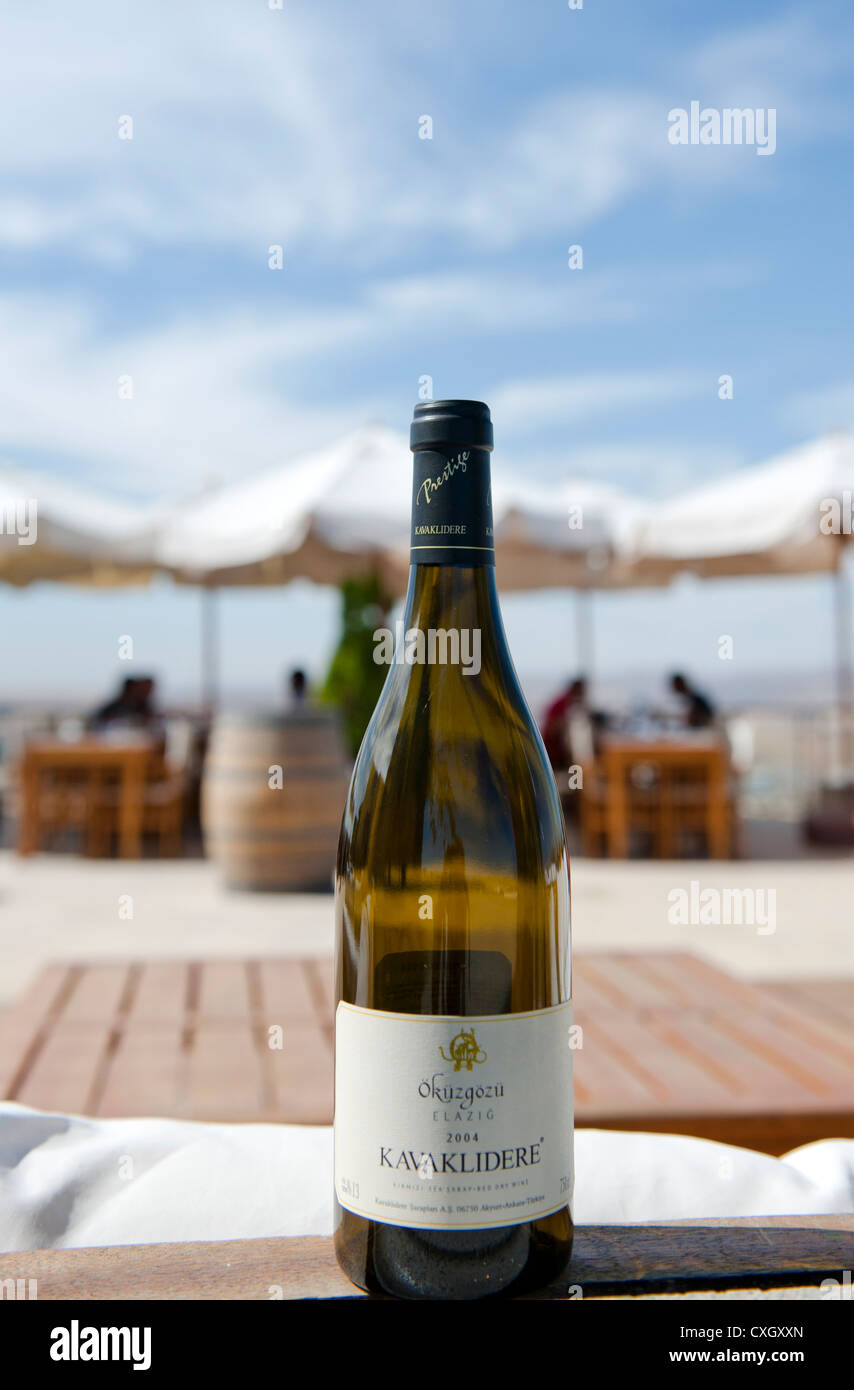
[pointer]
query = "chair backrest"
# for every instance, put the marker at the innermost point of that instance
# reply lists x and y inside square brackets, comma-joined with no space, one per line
[15,729]
[580,735]
[178,748]
[742,743]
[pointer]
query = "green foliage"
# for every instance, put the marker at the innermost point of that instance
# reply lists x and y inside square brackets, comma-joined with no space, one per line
[354,680]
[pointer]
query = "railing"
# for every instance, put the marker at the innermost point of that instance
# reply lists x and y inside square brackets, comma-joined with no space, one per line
[794,752]
[784,756]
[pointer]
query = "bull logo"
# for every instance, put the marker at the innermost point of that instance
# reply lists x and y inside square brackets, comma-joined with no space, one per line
[465,1051]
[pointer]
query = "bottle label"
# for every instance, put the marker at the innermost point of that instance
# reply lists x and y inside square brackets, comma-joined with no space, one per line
[452,508]
[448,1123]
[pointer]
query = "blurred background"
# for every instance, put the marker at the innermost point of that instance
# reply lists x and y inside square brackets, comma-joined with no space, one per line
[238,243]
[233,235]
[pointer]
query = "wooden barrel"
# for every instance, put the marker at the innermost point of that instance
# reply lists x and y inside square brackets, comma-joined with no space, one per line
[273,793]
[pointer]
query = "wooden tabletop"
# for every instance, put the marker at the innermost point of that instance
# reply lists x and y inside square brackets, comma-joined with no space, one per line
[670,1044]
[127,758]
[705,753]
[664,742]
[607,1261]
[92,748]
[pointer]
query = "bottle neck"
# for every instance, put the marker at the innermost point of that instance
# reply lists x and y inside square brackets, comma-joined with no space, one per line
[452,620]
[452,508]
[452,596]
[452,579]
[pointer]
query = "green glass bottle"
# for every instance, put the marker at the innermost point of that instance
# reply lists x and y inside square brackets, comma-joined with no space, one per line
[453,1087]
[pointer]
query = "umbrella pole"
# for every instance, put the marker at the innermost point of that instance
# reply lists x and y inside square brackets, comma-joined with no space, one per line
[210,647]
[844,712]
[584,632]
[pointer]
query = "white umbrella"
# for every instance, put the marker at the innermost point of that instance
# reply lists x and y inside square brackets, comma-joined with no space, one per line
[762,520]
[324,516]
[791,515]
[579,534]
[349,505]
[53,530]
[345,510]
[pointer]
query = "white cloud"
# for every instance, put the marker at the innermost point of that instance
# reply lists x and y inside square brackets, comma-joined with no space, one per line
[653,468]
[254,126]
[202,406]
[526,405]
[249,126]
[215,396]
[494,301]
[757,65]
[217,393]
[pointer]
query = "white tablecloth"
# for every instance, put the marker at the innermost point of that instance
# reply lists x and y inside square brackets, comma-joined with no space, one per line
[71,1181]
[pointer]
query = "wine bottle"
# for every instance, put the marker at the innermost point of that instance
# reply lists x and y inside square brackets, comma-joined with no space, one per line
[453,1060]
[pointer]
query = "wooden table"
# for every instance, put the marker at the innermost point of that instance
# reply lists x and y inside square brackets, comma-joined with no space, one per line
[94,759]
[670,1259]
[706,755]
[671,1044]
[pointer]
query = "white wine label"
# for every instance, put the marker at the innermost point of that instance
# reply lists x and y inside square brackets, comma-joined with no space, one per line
[447,1123]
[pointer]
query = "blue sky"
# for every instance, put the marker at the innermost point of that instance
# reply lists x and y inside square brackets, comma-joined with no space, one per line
[254,127]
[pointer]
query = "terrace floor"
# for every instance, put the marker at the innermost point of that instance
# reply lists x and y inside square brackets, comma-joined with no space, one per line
[55,907]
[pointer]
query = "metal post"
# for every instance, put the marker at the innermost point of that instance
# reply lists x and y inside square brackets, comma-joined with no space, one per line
[584,653]
[210,647]
[844,710]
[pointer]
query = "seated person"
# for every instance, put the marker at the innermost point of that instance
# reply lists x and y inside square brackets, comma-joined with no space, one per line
[297,690]
[555,724]
[133,706]
[698,711]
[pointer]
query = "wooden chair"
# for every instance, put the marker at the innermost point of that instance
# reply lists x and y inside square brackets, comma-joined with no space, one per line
[699,802]
[684,812]
[642,798]
[66,803]
[164,797]
[665,800]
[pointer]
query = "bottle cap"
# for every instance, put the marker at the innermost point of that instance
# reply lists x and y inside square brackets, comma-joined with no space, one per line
[451,424]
